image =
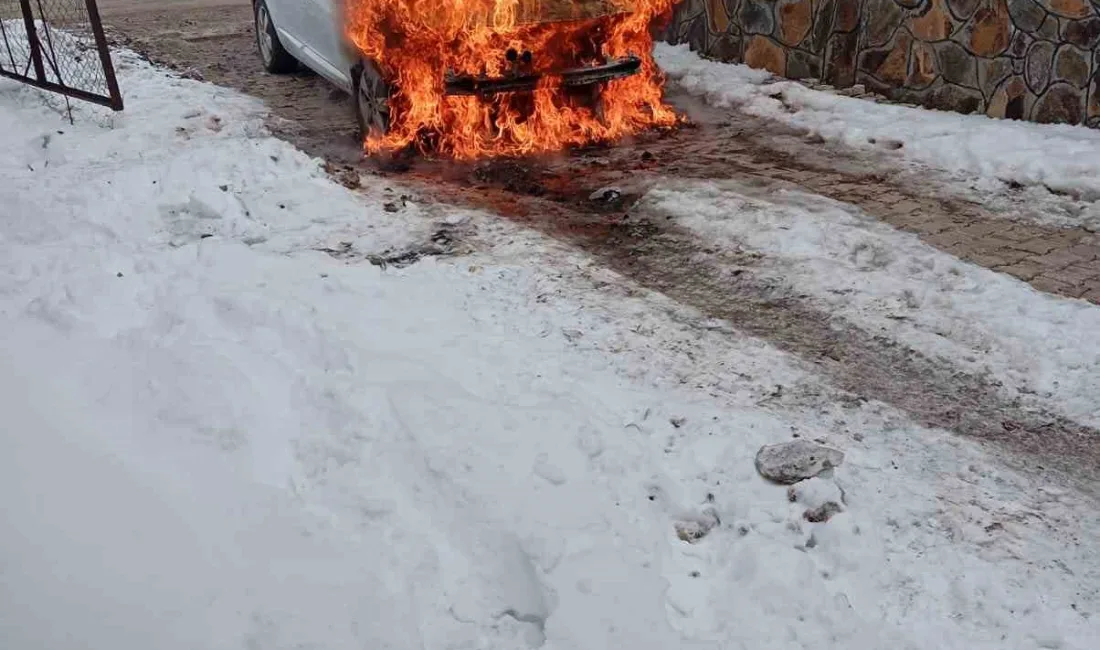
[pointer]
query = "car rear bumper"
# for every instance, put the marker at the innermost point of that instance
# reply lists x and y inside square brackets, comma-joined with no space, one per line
[574,77]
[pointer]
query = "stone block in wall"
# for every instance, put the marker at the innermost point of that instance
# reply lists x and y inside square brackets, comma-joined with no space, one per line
[1082,33]
[823,28]
[936,24]
[764,53]
[1026,14]
[1040,59]
[840,59]
[956,65]
[726,48]
[803,65]
[683,15]
[1024,59]
[963,9]
[795,17]
[1010,99]
[941,95]
[756,17]
[1071,65]
[846,15]
[989,30]
[1020,44]
[991,73]
[1050,28]
[1068,8]
[881,20]
[1062,103]
[889,65]
[718,17]
[922,66]
[951,97]
[689,26]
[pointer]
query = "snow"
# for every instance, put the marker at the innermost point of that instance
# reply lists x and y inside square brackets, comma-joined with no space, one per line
[1060,157]
[891,284]
[217,436]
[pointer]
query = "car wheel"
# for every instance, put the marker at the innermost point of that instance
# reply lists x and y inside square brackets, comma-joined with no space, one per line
[275,57]
[372,100]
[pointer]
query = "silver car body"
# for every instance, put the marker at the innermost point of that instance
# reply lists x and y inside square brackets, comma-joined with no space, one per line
[312,32]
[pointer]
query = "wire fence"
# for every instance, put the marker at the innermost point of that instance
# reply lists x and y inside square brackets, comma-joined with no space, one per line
[58,45]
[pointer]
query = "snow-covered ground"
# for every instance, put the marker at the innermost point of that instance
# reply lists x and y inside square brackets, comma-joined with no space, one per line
[216,436]
[1060,157]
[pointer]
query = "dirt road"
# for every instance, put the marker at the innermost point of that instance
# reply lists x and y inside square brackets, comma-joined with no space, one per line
[213,40]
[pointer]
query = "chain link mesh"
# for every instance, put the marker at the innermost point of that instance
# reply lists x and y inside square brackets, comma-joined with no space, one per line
[62,52]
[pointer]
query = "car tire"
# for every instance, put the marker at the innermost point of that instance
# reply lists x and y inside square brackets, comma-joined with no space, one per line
[275,58]
[372,96]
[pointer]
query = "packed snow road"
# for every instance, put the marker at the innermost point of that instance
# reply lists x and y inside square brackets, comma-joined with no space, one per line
[247,405]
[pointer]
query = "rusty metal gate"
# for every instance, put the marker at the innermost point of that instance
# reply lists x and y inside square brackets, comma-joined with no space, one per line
[58,45]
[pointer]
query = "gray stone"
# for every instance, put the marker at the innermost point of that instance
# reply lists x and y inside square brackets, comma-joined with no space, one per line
[956,64]
[991,72]
[1083,33]
[1049,30]
[802,65]
[1071,65]
[797,460]
[726,48]
[1063,104]
[883,17]
[1020,43]
[1039,59]
[822,513]
[956,98]
[757,18]
[1026,14]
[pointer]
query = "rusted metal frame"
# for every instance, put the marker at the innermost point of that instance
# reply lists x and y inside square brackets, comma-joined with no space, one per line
[104,55]
[32,40]
[75,93]
[112,100]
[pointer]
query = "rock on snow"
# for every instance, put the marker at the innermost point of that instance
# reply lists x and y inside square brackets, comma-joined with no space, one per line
[797,460]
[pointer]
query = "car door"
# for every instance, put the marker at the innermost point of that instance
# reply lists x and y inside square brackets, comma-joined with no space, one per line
[325,37]
[287,16]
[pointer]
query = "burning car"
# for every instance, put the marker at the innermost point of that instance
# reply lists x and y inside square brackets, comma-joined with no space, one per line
[469,78]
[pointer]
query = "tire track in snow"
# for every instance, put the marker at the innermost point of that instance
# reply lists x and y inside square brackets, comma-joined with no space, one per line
[723,284]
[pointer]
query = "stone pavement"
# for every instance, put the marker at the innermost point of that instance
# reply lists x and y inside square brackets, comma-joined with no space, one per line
[1065,261]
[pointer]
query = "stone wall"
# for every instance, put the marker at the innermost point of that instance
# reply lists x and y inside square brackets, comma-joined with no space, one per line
[1020,59]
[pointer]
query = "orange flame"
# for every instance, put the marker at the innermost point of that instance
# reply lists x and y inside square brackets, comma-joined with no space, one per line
[416,42]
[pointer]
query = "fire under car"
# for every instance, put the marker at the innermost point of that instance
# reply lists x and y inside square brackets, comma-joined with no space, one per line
[312,33]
